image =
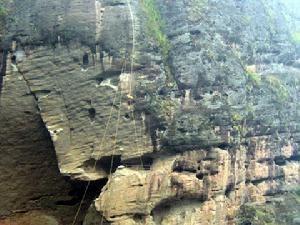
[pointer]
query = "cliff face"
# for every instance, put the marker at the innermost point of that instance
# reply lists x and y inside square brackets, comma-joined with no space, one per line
[197,99]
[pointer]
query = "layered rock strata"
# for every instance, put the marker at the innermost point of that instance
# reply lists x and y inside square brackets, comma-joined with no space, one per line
[197,99]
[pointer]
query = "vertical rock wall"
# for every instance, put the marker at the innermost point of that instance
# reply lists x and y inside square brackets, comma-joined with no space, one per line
[198,99]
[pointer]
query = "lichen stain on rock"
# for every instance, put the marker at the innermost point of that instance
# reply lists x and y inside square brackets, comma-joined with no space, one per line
[206,94]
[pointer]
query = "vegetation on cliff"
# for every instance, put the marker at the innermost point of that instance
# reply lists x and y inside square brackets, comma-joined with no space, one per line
[296,37]
[268,82]
[3,9]
[155,27]
[155,30]
[3,14]
[253,78]
[255,215]
[282,210]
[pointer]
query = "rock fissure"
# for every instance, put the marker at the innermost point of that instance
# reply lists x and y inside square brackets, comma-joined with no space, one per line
[223,134]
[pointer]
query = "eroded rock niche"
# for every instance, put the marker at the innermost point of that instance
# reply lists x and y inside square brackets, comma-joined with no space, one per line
[187,109]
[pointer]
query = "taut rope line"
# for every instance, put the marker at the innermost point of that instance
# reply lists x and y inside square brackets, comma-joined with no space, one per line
[95,164]
[133,47]
[131,78]
[118,120]
[129,95]
[115,144]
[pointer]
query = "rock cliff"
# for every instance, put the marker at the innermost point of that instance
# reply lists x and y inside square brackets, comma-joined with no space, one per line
[189,109]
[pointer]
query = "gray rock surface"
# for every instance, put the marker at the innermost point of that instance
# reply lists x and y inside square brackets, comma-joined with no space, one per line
[30,178]
[120,82]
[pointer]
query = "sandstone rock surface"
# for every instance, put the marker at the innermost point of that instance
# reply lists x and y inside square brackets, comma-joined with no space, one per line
[198,100]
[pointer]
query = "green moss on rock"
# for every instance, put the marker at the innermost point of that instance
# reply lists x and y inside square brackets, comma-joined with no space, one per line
[155,30]
[255,215]
[3,9]
[296,38]
[155,26]
[277,87]
[253,78]
[3,14]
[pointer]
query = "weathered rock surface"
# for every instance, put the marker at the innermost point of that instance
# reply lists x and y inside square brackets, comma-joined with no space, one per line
[198,187]
[201,107]
[29,173]
[32,218]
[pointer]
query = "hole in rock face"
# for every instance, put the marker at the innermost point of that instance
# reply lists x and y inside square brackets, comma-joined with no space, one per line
[104,163]
[247,222]
[76,195]
[198,97]
[295,157]
[224,146]
[163,91]
[85,59]
[229,189]
[14,59]
[214,172]
[3,56]
[127,116]
[200,176]
[131,102]
[99,80]
[92,113]
[77,192]
[138,217]
[280,160]
[182,165]
[137,162]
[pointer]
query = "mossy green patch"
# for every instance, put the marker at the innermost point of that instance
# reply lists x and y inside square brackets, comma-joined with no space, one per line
[236,117]
[3,10]
[155,26]
[253,78]
[3,13]
[255,215]
[155,29]
[238,121]
[271,82]
[296,37]
[277,87]
[4,7]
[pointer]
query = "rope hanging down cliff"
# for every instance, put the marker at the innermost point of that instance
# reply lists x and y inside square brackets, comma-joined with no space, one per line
[130,97]
[101,145]
[131,76]
[95,164]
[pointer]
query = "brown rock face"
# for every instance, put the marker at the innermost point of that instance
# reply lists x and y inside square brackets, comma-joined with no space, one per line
[197,187]
[189,108]
[32,218]
[30,178]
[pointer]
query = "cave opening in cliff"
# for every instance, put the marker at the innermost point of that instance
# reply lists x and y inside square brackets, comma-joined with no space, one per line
[80,198]
[3,56]
[92,114]
[107,164]
[77,191]
[150,111]
[14,59]
[85,60]
[145,162]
